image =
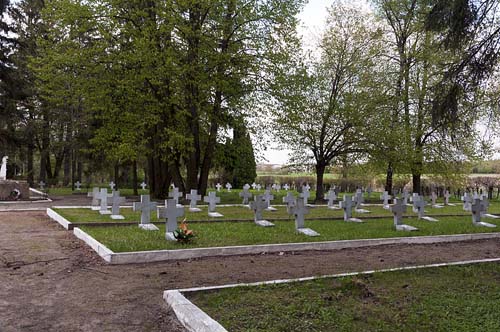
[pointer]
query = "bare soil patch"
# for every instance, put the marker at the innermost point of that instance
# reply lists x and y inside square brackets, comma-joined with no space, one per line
[49,280]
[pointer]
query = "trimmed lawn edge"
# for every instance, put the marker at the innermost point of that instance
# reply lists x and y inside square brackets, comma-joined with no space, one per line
[59,219]
[178,254]
[195,319]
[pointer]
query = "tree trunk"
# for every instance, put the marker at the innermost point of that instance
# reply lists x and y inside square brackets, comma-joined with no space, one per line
[207,160]
[116,175]
[417,183]
[67,168]
[29,162]
[320,172]
[388,179]
[159,178]
[134,178]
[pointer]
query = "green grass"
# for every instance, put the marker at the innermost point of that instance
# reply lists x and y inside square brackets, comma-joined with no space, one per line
[220,234]
[64,191]
[465,298]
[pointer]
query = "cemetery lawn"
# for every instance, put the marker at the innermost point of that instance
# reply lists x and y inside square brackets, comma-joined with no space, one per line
[457,298]
[220,234]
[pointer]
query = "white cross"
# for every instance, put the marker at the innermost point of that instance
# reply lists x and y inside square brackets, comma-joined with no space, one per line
[477,208]
[433,198]
[258,205]
[93,194]
[218,186]
[171,212]
[145,206]
[258,186]
[143,185]
[268,197]
[305,194]
[286,187]
[331,197]
[421,207]
[112,185]
[117,200]
[228,186]
[41,184]
[103,197]
[78,185]
[245,194]
[290,200]
[346,204]
[398,209]
[254,185]
[447,197]
[212,200]
[175,194]
[299,210]
[193,197]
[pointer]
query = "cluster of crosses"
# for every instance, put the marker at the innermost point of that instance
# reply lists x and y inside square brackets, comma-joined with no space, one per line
[297,207]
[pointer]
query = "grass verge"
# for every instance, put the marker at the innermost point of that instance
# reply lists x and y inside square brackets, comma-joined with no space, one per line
[465,298]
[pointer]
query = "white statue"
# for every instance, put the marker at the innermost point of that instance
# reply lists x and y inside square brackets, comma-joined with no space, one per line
[3,169]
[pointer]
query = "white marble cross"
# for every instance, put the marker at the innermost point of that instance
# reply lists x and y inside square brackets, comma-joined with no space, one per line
[145,206]
[286,187]
[42,185]
[212,201]
[406,196]
[112,185]
[78,185]
[447,197]
[277,187]
[369,191]
[421,203]
[259,187]
[289,200]
[479,209]
[305,194]
[245,194]
[467,202]
[254,185]
[3,168]
[102,196]
[193,198]
[385,197]
[299,210]
[229,186]
[415,198]
[398,209]
[358,199]
[115,208]
[175,194]
[331,197]
[95,201]
[268,197]
[433,198]
[170,212]
[218,186]
[143,185]
[258,205]
[346,205]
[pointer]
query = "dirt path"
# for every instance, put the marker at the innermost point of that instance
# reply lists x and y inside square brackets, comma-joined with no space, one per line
[50,281]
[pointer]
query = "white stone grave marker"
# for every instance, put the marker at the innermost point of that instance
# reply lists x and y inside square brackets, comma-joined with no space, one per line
[112,185]
[289,200]
[421,203]
[218,186]
[385,197]
[95,202]
[193,198]
[103,196]
[175,194]
[268,197]
[258,205]
[346,205]
[299,211]
[145,206]
[78,186]
[171,212]
[398,209]
[212,201]
[143,185]
[229,186]
[115,207]
[3,168]
[332,197]
[245,194]
[477,209]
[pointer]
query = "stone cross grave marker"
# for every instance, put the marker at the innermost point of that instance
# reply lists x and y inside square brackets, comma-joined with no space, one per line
[299,211]
[175,194]
[332,197]
[245,194]
[193,199]
[415,198]
[78,185]
[346,205]
[3,168]
[421,203]
[143,185]
[289,200]
[218,186]
[305,194]
[398,209]
[112,185]
[170,212]
[102,196]
[273,186]
[259,187]
[268,197]
[286,187]
[145,206]
[258,205]
[41,184]
[405,197]
[486,205]
[229,186]
[212,201]
[433,198]
[369,191]
[477,209]
[95,201]
[447,196]
[116,200]
[358,199]
[254,185]
[467,199]
[385,198]
[278,187]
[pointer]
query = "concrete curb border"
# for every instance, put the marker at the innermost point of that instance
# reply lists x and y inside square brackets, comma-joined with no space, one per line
[189,315]
[179,254]
[196,320]
[59,219]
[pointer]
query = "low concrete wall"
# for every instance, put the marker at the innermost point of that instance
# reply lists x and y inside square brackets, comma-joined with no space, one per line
[59,219]
[98,247]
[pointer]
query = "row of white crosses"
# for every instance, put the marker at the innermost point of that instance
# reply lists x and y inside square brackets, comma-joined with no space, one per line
[100,202]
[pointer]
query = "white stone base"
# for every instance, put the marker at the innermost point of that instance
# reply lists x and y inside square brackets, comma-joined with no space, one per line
[215,215]
[170,236]
[387,207]
[271,209]
[117,217]
[407,228]
[484,224]
[307,232]
[95,208]
[194,210]
[105,212]
[354,220]
[451,204]
[179,205]
[492,216]
[334,208]
[361,211]
[264,223]
[429,219]
[148,227]
[438,206]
